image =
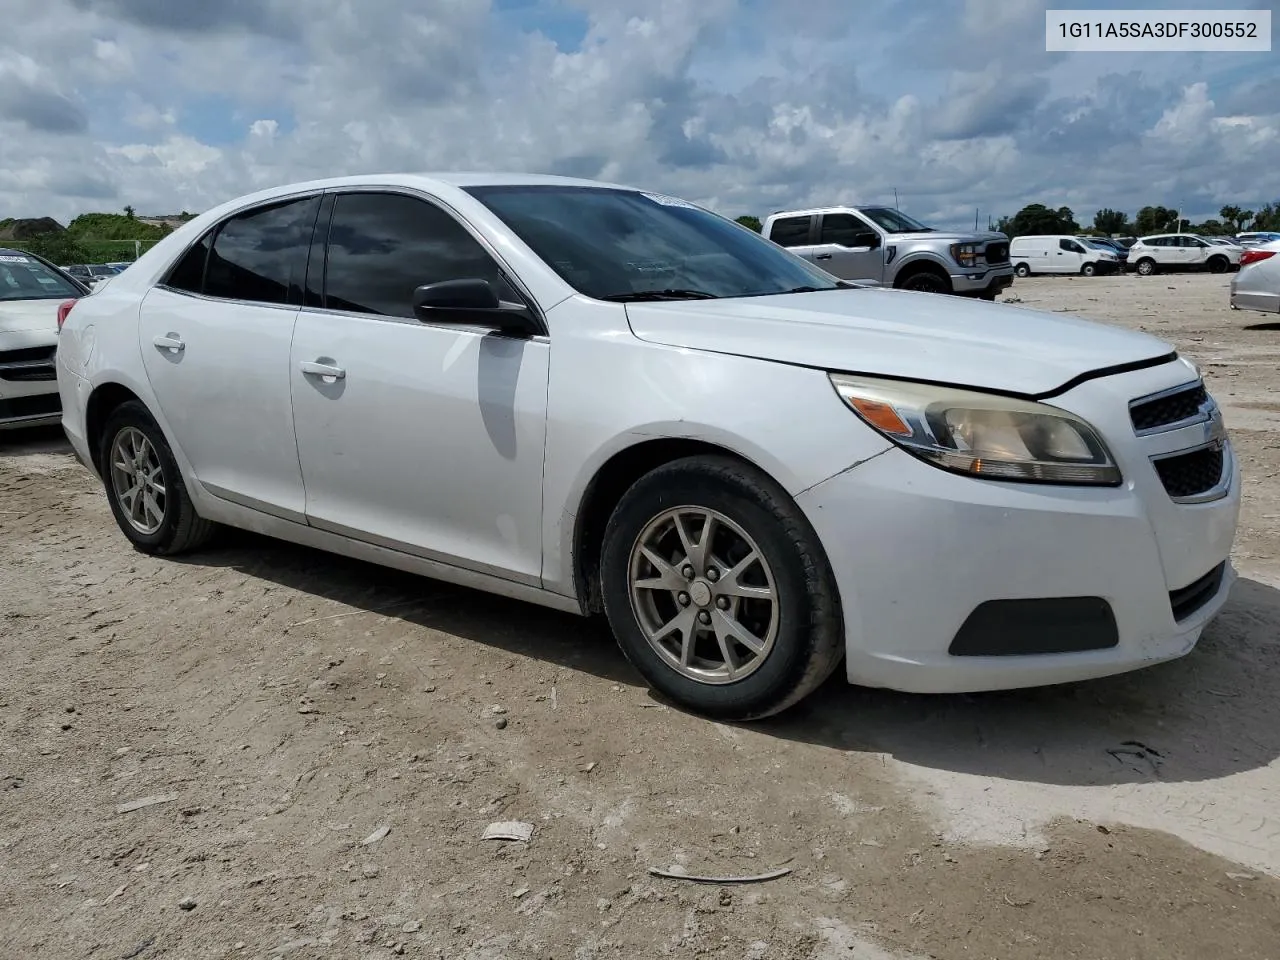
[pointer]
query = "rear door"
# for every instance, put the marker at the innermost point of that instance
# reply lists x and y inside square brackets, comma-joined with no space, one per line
[849,248]
[794,233]
[215,338]
[421,437]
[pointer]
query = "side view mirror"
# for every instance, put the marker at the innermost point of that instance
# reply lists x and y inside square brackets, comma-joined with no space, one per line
[471,302]
[868,240]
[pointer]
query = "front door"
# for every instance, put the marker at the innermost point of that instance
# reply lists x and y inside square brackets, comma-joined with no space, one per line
[424,438]
[850,248]
[215,339]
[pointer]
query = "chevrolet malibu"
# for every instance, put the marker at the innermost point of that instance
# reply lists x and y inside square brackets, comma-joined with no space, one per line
[612,401]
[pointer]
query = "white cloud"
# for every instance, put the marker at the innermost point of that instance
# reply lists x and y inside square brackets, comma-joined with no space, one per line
[740,104]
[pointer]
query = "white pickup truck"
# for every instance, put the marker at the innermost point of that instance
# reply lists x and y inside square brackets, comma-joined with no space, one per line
[883,247]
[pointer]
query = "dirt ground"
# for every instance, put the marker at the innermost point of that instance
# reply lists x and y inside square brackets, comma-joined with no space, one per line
[286,705]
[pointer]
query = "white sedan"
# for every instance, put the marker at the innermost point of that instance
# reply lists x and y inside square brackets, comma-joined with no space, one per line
[33,292]
[601,399]
[1257,285]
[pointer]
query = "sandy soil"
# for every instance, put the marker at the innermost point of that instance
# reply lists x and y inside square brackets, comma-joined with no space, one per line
[292,704]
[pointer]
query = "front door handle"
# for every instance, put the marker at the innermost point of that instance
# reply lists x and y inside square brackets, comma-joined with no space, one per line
[313,368]
[171,342]
[823,256]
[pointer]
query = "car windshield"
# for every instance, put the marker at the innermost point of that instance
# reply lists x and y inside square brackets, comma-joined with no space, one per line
[1100,244]
[23,278]
[894,221]
[615,244]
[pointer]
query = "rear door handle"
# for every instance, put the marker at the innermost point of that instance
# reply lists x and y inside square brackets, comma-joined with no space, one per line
[314,368]
[823,256]
[171,342]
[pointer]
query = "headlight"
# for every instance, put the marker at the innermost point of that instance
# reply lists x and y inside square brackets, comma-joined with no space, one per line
[966,254]
[981,434]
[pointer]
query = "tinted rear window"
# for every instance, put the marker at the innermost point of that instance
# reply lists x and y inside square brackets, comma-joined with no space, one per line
[261,255]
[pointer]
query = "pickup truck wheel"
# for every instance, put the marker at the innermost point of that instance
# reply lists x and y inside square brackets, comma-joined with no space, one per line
[1088,270]
[718,589]
[1022,270]
[1146,267]
[1217,264]
[926,281]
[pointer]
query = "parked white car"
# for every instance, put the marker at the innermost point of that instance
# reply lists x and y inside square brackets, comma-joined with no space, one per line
[600,399]
[1061,254]
[1257,285]
[1168,252]
[32,292]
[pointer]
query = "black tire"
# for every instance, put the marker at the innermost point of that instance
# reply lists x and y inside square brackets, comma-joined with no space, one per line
[1218,264]
[809,641]
[1088,270]
[181,529]
[1022,271]
[1146,267]
[989,295]
[926,281]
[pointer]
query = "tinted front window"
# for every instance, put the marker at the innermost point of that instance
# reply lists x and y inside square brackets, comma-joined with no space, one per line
[790,232]
[24,278]
[384,246]
[846,230]
[261,255]
[625,244]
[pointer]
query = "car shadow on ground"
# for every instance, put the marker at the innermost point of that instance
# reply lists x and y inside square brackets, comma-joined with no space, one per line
[26,441]
[1209,715]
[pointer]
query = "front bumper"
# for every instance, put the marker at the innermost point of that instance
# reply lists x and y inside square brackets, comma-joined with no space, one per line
[916,552]
[25,399]
[974,283]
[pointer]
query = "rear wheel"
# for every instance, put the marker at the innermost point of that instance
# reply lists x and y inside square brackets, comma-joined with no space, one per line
[1146,267]
[1022,270]
[718,590]
[144,486]
[926,281]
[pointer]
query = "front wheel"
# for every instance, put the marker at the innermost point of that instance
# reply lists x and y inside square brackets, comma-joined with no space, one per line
[1218,264]
[926,281]
[144,486]
[718,590]
[1022,270]
[1088,270]
[1146,267]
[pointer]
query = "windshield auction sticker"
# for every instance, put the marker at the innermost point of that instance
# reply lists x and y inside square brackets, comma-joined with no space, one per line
[1158,31]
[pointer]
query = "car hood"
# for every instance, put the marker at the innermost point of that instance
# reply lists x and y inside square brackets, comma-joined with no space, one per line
[902,334]
[16,315]
[954,236]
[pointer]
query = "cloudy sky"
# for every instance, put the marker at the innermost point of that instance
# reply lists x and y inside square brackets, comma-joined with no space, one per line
[745,105]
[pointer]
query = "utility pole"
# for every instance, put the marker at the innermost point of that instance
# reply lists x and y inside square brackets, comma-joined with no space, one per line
[895,198]
[975,219]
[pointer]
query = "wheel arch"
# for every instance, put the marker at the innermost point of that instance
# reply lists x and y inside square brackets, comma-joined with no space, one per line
[921,264]
[613,478]
[104,398]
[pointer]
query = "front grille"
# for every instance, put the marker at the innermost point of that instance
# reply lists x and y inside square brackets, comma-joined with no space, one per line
[18,408]
[1168,409]
[1191,598]
[1191,474]
[31,363]
[997,253]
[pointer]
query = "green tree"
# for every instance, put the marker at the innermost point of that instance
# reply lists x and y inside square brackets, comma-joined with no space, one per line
[1035,219]
[751,222]
[1155,220]
[112,226]
[128,212]
[60,247]
[1267,217]
[1212,228]
[1004,225]
[1110,222]
[1236,217]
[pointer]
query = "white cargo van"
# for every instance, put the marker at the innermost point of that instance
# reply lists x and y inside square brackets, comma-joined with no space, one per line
[1060,254]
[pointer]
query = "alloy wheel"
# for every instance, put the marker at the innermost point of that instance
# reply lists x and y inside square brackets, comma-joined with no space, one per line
[137,480]
[703,594]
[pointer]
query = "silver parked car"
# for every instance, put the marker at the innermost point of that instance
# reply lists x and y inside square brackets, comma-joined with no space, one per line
[1257,285]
